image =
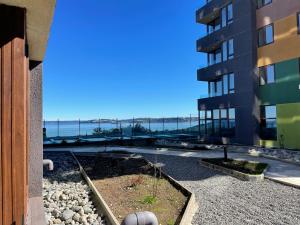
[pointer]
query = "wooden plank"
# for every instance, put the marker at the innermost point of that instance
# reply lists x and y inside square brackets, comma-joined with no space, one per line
[1,216]
[19,113]
[6,95]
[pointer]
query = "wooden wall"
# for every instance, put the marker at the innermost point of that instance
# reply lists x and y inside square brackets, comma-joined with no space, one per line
[13,116]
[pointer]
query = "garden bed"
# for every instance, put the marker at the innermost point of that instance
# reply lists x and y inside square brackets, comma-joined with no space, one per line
[130,184]
[241,169]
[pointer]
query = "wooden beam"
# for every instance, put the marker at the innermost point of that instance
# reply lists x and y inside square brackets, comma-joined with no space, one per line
[19,114]
[6,118]
[1,192]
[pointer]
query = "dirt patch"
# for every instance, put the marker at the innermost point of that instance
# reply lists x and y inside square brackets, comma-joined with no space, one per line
[129,185]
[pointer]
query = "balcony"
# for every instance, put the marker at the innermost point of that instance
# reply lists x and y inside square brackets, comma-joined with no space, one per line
[210,11]
[213,72]
[212,41]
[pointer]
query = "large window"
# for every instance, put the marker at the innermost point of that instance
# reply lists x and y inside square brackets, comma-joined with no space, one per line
[266,74]
[265,35]
[214,57]
[213,26]
[268,122]
[227,15]
[223,86]
[218,122]
[262,3]
[222,54]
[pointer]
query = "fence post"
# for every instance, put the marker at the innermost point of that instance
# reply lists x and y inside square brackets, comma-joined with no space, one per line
[190,123]
[79,127]
[121,132]
[149,121]
[199,124]
[163,125]
[177,124]
[132,131]
[57,127]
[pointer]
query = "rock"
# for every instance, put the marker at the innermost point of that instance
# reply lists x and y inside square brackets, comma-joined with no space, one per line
[76,217]
[87,209]
[57,221]
[67,214]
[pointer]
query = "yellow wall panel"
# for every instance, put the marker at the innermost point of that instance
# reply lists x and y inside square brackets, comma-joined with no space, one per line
[286,43]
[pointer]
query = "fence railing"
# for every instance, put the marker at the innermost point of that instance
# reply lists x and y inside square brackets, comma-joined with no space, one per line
[122,128]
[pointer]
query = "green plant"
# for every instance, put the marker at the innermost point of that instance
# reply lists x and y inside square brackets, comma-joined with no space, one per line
[149,200]
[170,222]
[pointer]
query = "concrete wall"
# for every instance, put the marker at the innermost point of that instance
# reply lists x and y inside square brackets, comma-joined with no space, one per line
[288,122]
[286,42]
[277,10]
[286,87]
[36,137]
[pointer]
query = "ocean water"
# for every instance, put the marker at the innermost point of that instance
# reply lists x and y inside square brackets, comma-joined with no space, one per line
[73,128]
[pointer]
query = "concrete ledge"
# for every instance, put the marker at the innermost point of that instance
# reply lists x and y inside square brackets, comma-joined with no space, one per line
[280,181]
[186,218]
[234,173]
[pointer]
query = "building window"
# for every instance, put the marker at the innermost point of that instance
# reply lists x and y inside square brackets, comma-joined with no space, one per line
[269,122]
[227,15]
[218,122]
[213,26]
[216,119]
[222,54]
[223,86]
[266,74]
[231,83]
[265,35]
[262,3]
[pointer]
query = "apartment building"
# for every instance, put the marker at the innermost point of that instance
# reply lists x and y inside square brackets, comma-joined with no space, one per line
[252,73]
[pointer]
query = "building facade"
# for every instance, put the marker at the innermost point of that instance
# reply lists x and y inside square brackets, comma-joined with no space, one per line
[252,73]
[25,26]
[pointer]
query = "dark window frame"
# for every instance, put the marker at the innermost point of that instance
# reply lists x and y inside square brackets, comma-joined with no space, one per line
[298,22]
[263,4]
[264,29]
[231,90]
[265,74]
[265,132]
[220,132]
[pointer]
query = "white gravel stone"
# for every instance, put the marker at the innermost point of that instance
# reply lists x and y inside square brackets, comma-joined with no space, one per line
[67,198]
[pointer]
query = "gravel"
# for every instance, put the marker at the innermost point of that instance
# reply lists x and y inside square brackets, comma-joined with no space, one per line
[67,198]
[226,200]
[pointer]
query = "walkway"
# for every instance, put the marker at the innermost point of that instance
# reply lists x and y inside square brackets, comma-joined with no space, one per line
[278,171]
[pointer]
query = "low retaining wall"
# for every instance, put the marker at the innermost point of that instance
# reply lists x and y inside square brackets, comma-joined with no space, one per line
[234,173]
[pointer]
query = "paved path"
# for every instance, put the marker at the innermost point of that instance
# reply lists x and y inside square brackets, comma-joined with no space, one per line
[278,171]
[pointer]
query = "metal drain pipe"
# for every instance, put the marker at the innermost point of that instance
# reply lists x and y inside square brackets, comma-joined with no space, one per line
[141,218]
[49,163]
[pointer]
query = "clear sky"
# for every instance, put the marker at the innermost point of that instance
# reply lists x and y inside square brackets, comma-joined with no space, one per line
[123,58]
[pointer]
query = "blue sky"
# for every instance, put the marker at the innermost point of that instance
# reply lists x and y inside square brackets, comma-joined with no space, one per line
[123,58]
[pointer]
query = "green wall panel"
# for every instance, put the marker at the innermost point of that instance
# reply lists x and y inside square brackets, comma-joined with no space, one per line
[288,125]
[286,87]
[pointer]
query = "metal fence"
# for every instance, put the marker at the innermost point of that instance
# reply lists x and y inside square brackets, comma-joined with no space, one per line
[122,128]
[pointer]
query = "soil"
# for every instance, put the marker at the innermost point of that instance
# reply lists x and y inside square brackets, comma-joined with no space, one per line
[128,185]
